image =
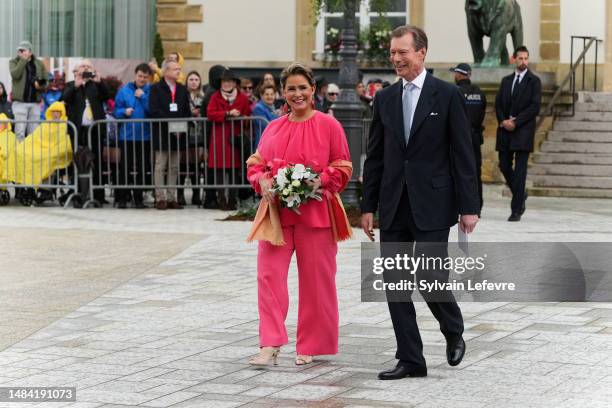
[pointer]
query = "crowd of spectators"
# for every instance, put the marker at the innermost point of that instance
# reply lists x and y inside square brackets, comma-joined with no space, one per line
[161,153]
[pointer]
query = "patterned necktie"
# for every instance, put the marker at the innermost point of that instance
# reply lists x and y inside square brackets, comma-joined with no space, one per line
[407,108]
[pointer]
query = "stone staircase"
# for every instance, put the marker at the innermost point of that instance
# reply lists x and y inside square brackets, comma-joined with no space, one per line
[576,158]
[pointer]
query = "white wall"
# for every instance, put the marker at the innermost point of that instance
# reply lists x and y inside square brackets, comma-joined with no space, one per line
[446,27]
[583,18]
[246,30]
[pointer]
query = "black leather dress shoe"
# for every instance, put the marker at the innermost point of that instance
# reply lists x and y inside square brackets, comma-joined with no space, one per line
[514,217]
[401,371]
[455,351]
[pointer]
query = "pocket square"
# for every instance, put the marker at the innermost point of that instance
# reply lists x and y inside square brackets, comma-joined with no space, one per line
[433,114]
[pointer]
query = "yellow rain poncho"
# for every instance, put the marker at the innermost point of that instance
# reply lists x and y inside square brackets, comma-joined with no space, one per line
[46,150]
[8,142]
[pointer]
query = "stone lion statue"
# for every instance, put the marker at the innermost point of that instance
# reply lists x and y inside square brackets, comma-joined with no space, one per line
[495,19]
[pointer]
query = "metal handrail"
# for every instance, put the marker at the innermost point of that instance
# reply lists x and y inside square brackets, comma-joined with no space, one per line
[571,76]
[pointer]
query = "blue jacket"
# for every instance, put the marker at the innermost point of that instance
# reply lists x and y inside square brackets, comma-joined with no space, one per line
[126,99]
[261,110]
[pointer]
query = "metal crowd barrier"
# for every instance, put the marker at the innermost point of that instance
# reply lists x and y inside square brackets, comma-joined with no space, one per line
[36,162]
[211,155]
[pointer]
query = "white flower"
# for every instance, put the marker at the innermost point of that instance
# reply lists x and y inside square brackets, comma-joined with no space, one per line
[286,192]
[295,183]
[281,178]
[298,172]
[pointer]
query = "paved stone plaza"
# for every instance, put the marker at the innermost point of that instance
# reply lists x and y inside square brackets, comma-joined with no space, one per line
[157,309]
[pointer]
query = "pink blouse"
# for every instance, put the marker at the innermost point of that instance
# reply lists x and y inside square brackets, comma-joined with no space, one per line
[316,142]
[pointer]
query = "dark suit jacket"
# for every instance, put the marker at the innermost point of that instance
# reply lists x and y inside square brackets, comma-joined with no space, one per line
[437,167]
[525,108]
[159,107]
[97,94]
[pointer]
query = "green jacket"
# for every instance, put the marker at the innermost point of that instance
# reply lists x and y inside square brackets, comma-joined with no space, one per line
[17,67]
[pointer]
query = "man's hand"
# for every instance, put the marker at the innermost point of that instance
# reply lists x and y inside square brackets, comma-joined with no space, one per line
[139,92]
[78,80]
[129,111]
[509,125]
[467,223]
[96,78]
[266,185]
[367,224]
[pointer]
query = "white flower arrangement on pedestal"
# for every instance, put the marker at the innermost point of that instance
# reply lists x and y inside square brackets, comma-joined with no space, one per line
[292,187]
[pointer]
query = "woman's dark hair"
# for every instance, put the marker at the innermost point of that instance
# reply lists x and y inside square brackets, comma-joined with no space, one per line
[4,96]
[297,69]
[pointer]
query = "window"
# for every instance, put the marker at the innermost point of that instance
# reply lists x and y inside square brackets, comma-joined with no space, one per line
[79,28]
[396,14]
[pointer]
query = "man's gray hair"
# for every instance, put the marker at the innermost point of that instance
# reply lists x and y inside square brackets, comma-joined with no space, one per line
[419,37]
[166,63]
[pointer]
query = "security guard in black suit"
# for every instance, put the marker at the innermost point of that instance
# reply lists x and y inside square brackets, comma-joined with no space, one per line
[476,104]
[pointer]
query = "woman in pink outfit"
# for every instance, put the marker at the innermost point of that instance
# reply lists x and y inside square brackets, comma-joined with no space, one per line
[304,136]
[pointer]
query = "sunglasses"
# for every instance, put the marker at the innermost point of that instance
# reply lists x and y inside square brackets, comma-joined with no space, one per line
[332,93]
[247,87]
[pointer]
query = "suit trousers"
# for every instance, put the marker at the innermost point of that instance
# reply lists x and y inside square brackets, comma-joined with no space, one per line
[166,160]
[442,303]
[515,177]
[317,325]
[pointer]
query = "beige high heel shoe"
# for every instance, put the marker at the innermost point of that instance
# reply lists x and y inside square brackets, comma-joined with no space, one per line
[303,360]
[265,355]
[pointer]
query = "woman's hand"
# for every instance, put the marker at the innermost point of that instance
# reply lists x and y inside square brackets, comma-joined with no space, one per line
[266,186]
[315,184]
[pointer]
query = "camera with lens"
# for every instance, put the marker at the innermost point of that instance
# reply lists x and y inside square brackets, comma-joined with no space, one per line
[88,75]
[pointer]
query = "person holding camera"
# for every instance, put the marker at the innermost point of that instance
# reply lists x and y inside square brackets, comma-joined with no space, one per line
[84,98]
[29,79]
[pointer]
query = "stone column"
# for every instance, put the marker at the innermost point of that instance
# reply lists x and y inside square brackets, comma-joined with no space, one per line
[172,19]
[417,13]
[607,78]
[550,28]
[304,31]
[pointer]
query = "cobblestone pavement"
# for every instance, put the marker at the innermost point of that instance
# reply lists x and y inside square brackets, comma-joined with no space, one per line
[179,331]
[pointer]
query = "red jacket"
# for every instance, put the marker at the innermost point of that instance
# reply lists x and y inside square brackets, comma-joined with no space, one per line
[221,154]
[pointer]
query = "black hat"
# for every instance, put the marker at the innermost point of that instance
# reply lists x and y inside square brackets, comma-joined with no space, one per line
[228,74]
[462,68]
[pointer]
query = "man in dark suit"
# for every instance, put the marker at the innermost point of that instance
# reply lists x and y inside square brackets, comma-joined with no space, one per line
[168,100]
[85,98]
[420,174]
[517,105]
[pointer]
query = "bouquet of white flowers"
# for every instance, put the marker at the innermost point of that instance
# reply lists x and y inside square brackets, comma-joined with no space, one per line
[290,184]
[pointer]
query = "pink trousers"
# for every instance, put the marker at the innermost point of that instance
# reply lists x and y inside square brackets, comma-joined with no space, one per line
[317,326]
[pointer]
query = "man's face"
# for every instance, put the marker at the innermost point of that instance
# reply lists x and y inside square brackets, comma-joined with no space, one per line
[173,71]
[141,79]
[24,53]
[522,60]
[228,85]
[408,62]
[85,66]
[460,77]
